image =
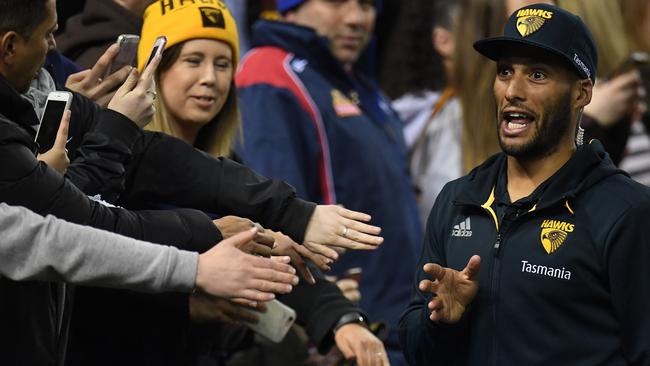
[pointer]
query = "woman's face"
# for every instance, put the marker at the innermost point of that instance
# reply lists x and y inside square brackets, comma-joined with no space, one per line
[195,87]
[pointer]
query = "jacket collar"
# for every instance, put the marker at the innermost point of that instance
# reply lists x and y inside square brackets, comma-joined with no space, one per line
[16,108]
[303,42]
[589,165]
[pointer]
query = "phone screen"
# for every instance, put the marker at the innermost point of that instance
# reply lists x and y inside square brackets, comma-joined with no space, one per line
[153,53]
[50,124]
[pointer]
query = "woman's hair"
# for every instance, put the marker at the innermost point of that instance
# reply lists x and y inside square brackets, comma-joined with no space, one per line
[217,136]
[611,40]
[634,14]
[474,78]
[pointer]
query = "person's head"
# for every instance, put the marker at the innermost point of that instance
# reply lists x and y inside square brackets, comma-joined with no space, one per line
[26,34]
[347,24]
[445,15]
[197,98]
[546,65]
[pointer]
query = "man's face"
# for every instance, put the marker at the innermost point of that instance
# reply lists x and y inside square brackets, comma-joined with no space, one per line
[348,24]
[534,103]
[30,52]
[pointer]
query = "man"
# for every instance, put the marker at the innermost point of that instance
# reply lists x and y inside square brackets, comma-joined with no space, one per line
[556,230]
[321,125]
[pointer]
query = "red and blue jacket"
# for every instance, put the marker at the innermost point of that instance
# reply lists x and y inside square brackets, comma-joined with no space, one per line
[332,135]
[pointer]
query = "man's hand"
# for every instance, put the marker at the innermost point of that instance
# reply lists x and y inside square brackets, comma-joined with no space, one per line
[225,271]
[334,226]
[135,97]
[453,290]
[350,289]
[232,225]
[206,309]
[57,157]
[285,246]
[357,342]
[90,84]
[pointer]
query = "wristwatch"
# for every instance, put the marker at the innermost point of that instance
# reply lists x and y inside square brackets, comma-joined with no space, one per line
[349,318]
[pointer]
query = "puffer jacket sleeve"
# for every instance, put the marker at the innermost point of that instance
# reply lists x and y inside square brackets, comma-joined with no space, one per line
[168,170]
[24,181]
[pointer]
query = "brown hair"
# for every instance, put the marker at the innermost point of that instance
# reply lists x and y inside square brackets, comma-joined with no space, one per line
[611,40]
[217,136]
[634,13]
[474,77]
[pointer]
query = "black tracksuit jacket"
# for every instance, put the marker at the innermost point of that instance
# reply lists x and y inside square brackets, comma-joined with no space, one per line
[564,277]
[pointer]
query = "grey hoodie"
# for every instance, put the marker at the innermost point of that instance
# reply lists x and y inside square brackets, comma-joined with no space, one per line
[49,249]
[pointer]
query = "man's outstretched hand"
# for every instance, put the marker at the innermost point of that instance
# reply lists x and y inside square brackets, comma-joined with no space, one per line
[452,290]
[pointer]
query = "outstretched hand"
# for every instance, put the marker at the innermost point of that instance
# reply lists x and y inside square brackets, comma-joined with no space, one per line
[298,253]
[57,157]
[225,271]
[453,290]
[333,227]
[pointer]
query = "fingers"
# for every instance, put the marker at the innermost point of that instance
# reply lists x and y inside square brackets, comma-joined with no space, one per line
[240,238]
[357,232]
[353,215]
[352,244]
[350,289]
[62,134]
[146,82]
[76,78]
[255,296]
[100,67]
[129,84]
[246,302]
[261,250]
[268,280]
[472,268]
[319,260]
[435,270]
[113,81]
[324,250]
[301,266]
[264,238]
[428,286]
[237,313]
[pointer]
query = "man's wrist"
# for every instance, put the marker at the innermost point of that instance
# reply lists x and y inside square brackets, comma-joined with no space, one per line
[349,318]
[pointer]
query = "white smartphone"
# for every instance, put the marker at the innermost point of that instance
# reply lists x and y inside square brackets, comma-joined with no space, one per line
[128,54]
[157,49]
[274,323]
[57,103]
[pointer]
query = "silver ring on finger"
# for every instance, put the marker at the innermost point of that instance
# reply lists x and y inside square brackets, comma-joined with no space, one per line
[153,94]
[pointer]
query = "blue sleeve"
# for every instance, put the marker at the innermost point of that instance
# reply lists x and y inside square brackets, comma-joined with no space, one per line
[423,341]
[279,139]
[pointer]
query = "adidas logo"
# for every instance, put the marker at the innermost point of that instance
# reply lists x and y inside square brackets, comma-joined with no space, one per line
[464,229]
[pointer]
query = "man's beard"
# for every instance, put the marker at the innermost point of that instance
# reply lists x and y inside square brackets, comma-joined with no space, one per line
[548,135]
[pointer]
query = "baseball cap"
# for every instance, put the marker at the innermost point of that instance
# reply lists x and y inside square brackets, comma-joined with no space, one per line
[286,5]
[184,22]
[550,28]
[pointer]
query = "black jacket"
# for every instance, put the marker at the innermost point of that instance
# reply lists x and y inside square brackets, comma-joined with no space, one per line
[564,278]
[34,310]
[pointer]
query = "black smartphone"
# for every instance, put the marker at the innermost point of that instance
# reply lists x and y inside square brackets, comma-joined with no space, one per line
[158,48]
[57,103]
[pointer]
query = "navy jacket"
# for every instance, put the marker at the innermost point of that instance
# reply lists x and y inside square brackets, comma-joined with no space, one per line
[564,276]
[332,135]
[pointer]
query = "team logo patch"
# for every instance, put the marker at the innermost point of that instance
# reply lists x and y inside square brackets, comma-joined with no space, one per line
[530,21]
[554,234]
[463,229]
[343,106]
[212,17]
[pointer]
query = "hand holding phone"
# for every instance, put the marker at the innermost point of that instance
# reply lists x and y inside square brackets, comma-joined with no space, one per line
[127,55]
[274,323]
[57,103]
[57,156]
[135,97]
[90,83]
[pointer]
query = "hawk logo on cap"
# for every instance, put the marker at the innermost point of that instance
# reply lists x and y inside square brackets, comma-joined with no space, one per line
[554,233]
[212,17]
[530,21]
